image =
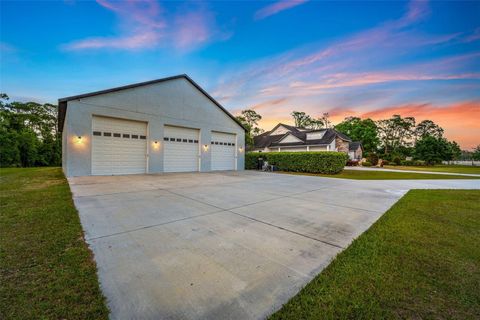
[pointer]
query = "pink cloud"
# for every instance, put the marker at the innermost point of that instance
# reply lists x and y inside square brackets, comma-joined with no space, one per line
[361,79]
[475,36]
[458,119]
[144,26]
[136,41]
[277,7]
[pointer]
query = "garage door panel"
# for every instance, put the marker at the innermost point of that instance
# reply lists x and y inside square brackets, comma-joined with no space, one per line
[223,151]
[115,150]
[181,154]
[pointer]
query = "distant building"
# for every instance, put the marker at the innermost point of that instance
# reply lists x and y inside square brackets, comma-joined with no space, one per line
[293,139]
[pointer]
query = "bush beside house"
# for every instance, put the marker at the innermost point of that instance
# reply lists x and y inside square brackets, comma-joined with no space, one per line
[328,162]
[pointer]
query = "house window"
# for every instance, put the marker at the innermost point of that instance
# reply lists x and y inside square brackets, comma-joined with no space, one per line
[107,134]
[126,135]
[116,135]
[97,133]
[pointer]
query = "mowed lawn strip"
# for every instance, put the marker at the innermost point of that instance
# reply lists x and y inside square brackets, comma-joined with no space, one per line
[420,260]
[47,270]
[441,168]
[383,175]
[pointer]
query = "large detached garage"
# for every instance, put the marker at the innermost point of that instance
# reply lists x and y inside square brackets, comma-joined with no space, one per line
[165,125]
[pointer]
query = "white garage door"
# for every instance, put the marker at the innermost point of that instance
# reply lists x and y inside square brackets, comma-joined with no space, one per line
[181,149]
[223,151]
[118,146]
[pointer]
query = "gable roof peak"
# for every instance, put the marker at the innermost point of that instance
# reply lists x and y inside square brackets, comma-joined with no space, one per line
[62,102]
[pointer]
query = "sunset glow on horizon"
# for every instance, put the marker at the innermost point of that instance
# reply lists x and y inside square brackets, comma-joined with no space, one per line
[364,59]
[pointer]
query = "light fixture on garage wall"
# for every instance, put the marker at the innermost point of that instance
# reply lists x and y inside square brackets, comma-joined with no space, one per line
[78,139]
[240,149]
[205,147]
[156,144]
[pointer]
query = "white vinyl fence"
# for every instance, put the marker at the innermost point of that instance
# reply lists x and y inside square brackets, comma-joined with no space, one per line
[463,162]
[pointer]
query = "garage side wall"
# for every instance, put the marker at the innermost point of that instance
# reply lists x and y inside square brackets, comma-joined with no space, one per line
[176,102]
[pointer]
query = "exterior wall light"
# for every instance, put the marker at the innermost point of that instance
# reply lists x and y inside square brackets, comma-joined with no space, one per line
[156,145]
[79,139]
[205,147]
[240,149]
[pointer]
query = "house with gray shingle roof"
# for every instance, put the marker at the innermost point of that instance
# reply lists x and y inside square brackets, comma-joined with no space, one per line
[285,138]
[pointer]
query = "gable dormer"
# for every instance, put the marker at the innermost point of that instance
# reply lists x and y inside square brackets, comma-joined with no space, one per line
[279,130]
[289,138]
[315,135]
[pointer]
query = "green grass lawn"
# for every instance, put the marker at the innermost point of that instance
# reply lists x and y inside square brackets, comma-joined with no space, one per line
[421,260]
[440,168]
[46,269]
[383,175]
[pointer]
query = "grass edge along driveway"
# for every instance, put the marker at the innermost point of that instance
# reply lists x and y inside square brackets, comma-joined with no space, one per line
[440,168]
[420,260]
[46,268]
[382,175]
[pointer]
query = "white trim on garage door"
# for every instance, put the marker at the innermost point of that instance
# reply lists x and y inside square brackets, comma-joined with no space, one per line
[181,151]
[223,151]
[118,146]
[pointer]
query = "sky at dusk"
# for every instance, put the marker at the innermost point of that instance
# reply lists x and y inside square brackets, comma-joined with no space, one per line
[368,59]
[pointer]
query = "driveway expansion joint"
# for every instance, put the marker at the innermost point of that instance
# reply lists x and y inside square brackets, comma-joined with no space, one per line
[288,230]
[152,226]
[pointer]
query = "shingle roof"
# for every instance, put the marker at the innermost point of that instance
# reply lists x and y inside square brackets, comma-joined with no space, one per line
[354,145]
[266,140]
[62,102]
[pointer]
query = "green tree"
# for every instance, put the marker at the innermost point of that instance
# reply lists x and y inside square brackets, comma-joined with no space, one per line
[454,151]
[476,153]
[432,150]
[28,134]
[395,133]
[249,119]
[326,120]
[303,120]
[428,128]
[357,129]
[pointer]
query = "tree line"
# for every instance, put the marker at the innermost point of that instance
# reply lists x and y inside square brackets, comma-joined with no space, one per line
[28,134]
[393,139]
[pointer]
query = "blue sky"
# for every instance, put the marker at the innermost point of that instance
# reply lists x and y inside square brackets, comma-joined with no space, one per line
[369,59]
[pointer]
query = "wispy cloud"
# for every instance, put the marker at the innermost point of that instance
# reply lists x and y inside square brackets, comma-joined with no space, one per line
[6,48]
[142,40]
[369,70]
[277,7]
[475,36]
[145,24]
[357,51]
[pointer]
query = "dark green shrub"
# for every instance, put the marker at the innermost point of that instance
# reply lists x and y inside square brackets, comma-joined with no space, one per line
[385,162]
[251,159]
[397,160]
[366,164]
[329,162]
[373,159]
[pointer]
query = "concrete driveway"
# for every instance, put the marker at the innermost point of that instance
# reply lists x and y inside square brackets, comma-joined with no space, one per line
[224,245]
